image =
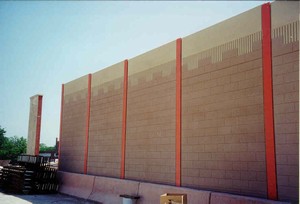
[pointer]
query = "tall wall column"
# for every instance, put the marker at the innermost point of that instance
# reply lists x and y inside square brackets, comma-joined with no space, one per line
[34,128]
[268,102]
[178,110]
[87,124]
[124,117]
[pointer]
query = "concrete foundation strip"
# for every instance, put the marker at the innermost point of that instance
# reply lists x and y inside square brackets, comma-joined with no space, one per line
[108,190]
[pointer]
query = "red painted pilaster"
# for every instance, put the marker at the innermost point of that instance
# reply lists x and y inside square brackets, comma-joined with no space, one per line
[268,102]
[178,111]
[87,124]
[38,125]
[124,117]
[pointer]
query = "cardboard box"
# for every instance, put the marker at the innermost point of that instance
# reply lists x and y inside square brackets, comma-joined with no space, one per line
[173,198]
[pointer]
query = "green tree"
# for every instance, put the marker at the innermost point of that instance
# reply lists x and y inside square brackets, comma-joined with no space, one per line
[45,148]
[11,147]
[2,136]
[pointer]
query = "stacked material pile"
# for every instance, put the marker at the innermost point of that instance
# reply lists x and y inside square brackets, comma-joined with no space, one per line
[30,174]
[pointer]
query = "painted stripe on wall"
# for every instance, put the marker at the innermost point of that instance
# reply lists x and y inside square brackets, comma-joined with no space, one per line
[268,102]
[61,121]
[38,125]
[178,111]
[124,120]
[87,124]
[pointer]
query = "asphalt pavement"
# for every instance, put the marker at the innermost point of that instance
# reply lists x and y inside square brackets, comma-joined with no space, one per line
[40,199]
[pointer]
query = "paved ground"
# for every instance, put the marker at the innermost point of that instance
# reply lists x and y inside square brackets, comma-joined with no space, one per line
[39,199]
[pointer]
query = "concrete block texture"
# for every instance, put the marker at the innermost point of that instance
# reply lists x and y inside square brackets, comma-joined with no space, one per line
[107,75]
[150,141]
[286,114]
[108,190]
[77,185]
[154,58]
[217,198]
[223,146]
[104,155]
[223,140]
[285,56]
[74,86]
[74,126]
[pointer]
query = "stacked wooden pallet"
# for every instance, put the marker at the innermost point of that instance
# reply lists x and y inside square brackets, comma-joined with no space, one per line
[31,174]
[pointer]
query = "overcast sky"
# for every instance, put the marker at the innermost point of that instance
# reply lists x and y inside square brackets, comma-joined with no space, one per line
[44,44]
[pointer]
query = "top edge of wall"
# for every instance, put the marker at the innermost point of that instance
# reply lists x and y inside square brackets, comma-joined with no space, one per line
[236,27]
[284,12]
[36,96]
[76,85]
[34,100]
[108,74]
[152,58]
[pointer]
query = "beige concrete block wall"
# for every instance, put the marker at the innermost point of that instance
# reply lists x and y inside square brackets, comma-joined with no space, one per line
[150,142]
[223,141]
[106,122]
[285,44]
[223,133]
[74,125]
[222,108]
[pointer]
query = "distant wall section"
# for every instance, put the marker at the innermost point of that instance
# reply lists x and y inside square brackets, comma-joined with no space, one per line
[34,126]
[223,142]
[104,154]
[74,125]
[285,53]
[151,116]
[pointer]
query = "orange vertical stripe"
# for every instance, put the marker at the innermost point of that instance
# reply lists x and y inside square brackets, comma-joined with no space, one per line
[38,126]
[87,124]
[124,117]
[61,121]
[268,102]
[178,110]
